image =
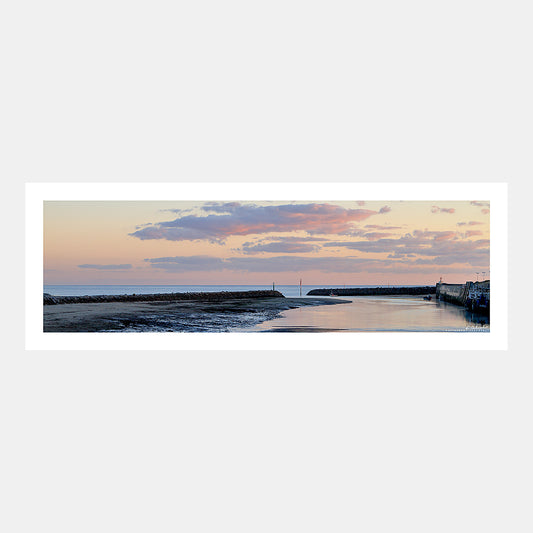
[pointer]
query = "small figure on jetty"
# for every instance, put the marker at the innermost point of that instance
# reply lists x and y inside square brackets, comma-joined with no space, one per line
[428,297]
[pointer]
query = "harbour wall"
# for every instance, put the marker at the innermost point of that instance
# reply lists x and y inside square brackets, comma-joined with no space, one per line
[452,293]
[466,294]
[374,291]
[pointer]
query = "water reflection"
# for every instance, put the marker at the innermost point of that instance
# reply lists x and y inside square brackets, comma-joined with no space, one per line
[379,313]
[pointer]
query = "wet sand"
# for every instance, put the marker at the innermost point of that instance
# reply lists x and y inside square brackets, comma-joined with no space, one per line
[191,316]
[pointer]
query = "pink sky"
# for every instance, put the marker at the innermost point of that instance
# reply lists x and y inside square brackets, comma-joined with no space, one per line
[339,243]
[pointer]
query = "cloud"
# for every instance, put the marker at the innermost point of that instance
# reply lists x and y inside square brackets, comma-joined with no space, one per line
[221,207]
[302,264]
[378,227]
[375,235]
[385,209]
[438,235]
[188,263]
[354,232]
[106,267]
[471,223]
[437,209]
[416,241]
[282,244]
[286,238]
[437,244]
[280,247]
[473,233]
[473,259]
[233,218]
[180,211]
[485,205]
[253,264]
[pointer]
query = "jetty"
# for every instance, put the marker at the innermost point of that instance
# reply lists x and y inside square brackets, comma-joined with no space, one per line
[48,299]
[474,295]
[374,291]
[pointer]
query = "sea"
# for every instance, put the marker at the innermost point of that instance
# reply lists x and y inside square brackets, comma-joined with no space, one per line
[362,313]
[289,291]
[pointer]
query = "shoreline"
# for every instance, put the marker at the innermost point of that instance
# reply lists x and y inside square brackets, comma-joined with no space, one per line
[221,314]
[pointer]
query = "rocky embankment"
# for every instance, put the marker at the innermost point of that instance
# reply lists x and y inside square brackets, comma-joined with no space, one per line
[374,291]
[48,299]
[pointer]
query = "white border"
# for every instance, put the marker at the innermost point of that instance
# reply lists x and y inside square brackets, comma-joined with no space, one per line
[496,193]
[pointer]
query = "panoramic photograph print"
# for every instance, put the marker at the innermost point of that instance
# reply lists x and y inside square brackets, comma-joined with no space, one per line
[266,266]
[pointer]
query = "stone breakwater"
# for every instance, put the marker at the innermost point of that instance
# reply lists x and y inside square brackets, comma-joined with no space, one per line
[48,299]
[374,291]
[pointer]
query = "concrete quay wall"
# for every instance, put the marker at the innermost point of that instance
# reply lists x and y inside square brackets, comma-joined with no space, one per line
[461,294]
[452,293]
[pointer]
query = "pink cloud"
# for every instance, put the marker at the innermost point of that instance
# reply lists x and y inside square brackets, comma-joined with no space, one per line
[471,223]
[445,235]
[437,209]
[233,218]
[485,205]
[375,235]
[444,247]
[279,247]
[377,226]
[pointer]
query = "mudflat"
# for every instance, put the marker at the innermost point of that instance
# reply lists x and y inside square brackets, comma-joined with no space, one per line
[179,315]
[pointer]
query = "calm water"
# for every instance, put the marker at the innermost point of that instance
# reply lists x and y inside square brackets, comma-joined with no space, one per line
[379,313]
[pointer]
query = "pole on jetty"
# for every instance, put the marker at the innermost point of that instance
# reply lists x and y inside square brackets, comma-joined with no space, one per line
[300,287]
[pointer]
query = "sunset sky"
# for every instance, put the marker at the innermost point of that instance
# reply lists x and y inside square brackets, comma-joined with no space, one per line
[247,243]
